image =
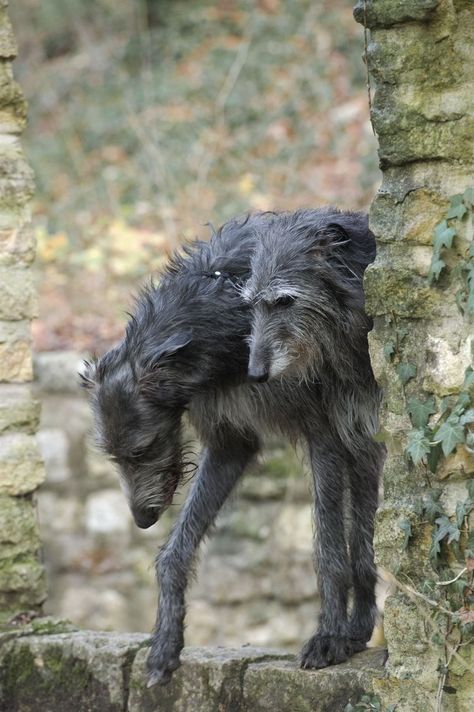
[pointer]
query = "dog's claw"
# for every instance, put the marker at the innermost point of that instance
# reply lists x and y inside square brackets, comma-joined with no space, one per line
[159,677]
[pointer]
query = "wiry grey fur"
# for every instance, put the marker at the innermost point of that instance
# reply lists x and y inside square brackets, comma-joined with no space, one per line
[301,310]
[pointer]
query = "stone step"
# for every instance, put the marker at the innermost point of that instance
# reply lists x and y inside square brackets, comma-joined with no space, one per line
[47,666]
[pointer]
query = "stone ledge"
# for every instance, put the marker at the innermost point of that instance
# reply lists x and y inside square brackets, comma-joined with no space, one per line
[52,667]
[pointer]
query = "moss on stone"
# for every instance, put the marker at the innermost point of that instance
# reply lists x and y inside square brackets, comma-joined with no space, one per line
[397,290]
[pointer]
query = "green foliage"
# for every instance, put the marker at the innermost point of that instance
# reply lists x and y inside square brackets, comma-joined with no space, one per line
[369,703]
[406,371]
[418,447]
[444,530]
[460,206]
[450,434]
[451,428]
[420,411]
[441,426]
[431,506]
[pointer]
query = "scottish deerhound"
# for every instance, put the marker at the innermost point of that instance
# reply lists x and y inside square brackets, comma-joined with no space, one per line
[186,348]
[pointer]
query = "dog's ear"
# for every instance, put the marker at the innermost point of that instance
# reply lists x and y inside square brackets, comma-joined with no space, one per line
[171,346]
[328,239]
[88,375]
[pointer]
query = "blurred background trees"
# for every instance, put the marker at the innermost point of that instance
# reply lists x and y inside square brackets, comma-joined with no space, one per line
[152,117]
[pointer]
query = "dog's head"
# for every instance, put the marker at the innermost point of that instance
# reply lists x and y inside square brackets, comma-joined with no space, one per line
[305,290]
[138,408]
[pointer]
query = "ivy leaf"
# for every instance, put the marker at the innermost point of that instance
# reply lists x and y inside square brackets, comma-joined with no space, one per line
[469,377]
[389,350]
[447,530]
[420,411]
[432,507]
[402,333]
[443,237]
[444,405]
[467,417]
[468,196]
[457,209]
[450,434]
[405,526]
[462,401]
[436,267]
[406,371]
[418,446]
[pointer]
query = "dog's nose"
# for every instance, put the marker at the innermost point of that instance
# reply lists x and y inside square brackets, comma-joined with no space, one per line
[146,518]
[257,374]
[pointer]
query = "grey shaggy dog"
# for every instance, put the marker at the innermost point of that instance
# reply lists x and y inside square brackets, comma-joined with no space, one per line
[260,330]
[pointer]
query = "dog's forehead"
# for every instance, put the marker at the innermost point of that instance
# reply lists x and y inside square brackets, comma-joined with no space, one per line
[125,421]
[272,276]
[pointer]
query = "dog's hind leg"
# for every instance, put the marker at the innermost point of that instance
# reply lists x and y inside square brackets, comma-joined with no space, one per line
[330,643]
[221,466]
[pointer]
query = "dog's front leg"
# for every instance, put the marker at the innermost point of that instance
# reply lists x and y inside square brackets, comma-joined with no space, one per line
[220,468]
[330,644]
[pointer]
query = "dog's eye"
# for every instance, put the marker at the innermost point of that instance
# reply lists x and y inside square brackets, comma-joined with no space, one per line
[285,301]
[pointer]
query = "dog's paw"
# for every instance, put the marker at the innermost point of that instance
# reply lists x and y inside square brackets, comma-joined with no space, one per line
[323,650]
[160,667]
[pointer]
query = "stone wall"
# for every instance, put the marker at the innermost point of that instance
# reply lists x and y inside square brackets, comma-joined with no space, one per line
[52,667]
[22,582]
[421,292]
[255,582]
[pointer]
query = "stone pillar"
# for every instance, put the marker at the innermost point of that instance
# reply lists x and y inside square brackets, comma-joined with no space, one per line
[420,292]
[22,583]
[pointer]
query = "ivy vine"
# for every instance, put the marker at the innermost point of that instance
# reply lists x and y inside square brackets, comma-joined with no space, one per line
[439,427]
[460,208]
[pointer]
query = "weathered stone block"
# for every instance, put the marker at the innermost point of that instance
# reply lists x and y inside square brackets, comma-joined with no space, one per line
[22,586]
[393,289]
[8,48]
[17,245]
[12,102]
[106,512]
[18,409]
[252,680]
[406,53]
[281,686]
[21,467]
[18,298]
[446,363]
[67,671]
[384,13]
[18,527]
[16,180]
[50,666]
[54,448]
[57,371]
[410,216]
[15,351]
[392,537]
